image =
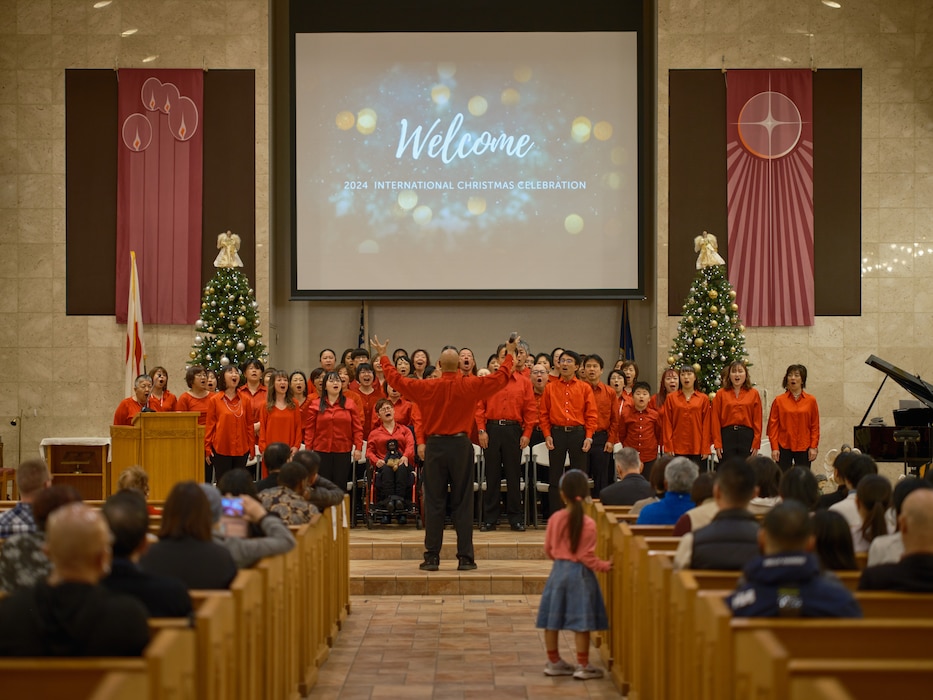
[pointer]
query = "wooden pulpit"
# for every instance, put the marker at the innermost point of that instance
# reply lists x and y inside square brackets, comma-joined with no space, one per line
[169,446]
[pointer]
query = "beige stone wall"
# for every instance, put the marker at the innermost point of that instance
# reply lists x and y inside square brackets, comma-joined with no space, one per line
[64,374]
[892,42]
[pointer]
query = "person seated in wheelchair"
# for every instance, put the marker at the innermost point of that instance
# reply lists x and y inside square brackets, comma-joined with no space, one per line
[391,451]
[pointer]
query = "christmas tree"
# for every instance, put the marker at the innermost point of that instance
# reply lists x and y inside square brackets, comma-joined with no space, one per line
[710,335]
[227,329]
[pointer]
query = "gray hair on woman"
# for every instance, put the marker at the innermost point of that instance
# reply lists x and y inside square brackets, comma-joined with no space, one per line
[680,474]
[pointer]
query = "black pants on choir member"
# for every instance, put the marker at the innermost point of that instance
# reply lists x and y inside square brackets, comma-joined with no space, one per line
[503,458]
[736,441]
[698,460]
[224,463]
[448,459]
[565,443]
[395,483]
[646,469]
[537,437]
[789,459]
[600,463]
[335,467]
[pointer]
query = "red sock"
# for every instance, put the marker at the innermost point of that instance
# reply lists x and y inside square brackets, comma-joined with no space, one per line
[583,658]
[553,655]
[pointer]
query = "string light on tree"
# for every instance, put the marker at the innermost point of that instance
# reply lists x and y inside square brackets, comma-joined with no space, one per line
[710,334]
[227,332]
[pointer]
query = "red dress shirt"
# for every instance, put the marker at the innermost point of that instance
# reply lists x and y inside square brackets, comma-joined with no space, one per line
[127,409]
[229,426]
[280,425]
[566,404]
[335,429]
[794,424]
[640,430]
[189,402]
[164,405]
[607,410]
[368,404]
[403,412]
[731,410]
[447,404]
[254,401]
[514,402]
[685,425]
[376,443]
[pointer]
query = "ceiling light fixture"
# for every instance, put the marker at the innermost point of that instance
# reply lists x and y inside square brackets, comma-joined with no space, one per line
[150,59]
[102,4]
[128,32]
[832,3]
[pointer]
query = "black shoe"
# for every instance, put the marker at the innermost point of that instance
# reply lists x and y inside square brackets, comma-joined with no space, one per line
[432,562]
[384,519]
[390,505]
[466,564]
[402,520]
[518,527]
[487,527]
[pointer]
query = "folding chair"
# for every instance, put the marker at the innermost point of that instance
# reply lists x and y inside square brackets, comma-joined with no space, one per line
[540,458]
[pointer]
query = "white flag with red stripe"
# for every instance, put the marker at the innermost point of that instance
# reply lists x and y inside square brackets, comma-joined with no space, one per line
[135,348]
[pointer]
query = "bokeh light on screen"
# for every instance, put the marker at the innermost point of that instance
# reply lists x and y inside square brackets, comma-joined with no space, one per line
[407,199]
[522,74]
[446,71]
[345,120]
[422,215]
[477,106]
[619,155]
[476,205]
[602,131]
[612,180]
[368,247]
[511,97]
[366,121]
[580,129]
[573,224]
[440,94]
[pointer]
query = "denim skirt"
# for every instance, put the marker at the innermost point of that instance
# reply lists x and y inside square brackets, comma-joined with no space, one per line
[572,600]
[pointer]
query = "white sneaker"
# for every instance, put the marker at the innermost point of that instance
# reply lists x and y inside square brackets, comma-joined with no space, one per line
[585,673]
[561,668]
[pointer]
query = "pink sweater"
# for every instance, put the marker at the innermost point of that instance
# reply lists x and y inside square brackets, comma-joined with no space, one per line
[557,542]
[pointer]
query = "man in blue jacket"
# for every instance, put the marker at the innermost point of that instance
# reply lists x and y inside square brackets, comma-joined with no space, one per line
[787,580]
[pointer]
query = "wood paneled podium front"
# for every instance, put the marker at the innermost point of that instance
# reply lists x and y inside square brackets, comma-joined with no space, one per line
[169,446]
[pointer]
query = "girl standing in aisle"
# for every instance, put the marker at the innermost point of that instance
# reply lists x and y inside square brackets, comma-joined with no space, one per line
[736,415]
[572,599]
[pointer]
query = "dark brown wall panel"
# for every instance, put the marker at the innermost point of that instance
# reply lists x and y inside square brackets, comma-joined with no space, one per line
[91,130]
[698,182]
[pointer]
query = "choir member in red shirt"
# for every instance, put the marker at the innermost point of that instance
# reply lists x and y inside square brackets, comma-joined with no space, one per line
[334,430]
[630,371]
[736,415]
[229,437]
[794,422]
[640,427]
[669,384]
[211,380]
[328,360]
[685,420]
[316,383]
[599,458]
[299,384]
[467,362]
[131,406]
[403,407]
[447,407]
[539,381]
[197,396]
[394,478]
[504,422]
[369,393]
[403,365]
[420,361]
[254,391]
[280,418]
[161,399]
[568,419]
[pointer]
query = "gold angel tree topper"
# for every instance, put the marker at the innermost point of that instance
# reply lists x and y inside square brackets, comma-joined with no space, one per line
[228,243]
[708,248]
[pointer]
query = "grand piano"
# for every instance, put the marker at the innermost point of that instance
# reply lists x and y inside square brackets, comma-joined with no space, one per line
[908,440]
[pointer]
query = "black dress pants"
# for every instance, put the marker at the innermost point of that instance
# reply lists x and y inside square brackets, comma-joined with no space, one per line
[448,459]
[504,455]
[566,442]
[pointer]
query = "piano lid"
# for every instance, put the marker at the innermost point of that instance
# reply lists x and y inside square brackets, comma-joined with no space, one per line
[912,383]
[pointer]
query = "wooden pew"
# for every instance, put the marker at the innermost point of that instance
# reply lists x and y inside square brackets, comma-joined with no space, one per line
[819,688]
[764,662]
[861,679]
[605,522]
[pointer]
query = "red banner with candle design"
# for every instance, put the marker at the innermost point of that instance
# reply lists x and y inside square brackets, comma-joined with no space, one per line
[769,155]
[159,187]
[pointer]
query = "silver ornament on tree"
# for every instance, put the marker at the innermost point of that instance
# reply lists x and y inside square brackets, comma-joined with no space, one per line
[240,347]
[225,360]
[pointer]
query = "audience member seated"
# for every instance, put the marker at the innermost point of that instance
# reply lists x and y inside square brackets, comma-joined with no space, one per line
[186,549]
[31,477]
[137,479]
[833,541]
[704,508]
[888,549]
[23,561]
[858,469]
[679,476]
[769,478]
[287,499]
[799,484]
[273,536]
[275,456]
[656,479]
[730,541]
[321,493]
[914,572]
[71,614]
[787,581]
[631,485]
[128,518]
[840,465]
[873,499]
